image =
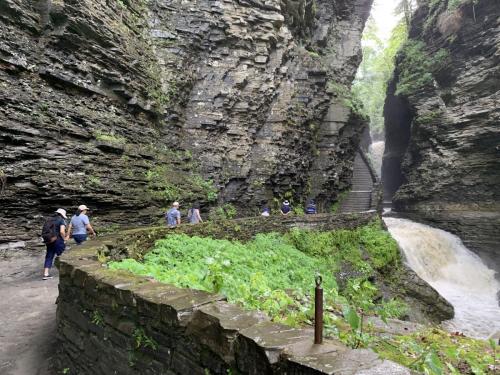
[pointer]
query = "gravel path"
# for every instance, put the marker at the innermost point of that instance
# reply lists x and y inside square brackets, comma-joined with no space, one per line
[27,315]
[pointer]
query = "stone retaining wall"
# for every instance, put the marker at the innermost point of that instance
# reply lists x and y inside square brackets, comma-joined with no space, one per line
[114,322]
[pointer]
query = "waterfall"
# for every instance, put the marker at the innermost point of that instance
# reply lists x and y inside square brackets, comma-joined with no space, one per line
[459,275]
[376,152]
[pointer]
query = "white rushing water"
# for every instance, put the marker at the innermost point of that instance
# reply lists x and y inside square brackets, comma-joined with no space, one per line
[376,153]
[459,275]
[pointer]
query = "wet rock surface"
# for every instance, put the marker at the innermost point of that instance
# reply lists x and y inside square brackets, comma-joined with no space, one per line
[126,105]
[442,151]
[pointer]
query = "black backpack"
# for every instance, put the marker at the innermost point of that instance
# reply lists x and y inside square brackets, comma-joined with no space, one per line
[50,230]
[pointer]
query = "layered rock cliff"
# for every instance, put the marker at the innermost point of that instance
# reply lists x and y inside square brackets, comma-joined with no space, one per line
[126,105]
[442,157]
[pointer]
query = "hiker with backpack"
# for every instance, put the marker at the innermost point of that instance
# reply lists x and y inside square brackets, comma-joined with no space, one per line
[80,225]
[54,235]
[194,216]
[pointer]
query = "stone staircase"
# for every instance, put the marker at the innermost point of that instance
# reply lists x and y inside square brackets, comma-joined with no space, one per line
[359,198]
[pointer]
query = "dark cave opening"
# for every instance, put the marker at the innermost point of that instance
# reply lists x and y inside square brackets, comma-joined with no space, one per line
[398,117]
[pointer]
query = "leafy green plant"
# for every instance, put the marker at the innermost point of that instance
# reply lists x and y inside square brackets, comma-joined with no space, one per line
[340,197]
[44,107]
[429,117]
[167,184]
[94,181]
[224,212]
[435,352]
[97,318]
[109,137]
[143,341]
[298,210]
[348,97]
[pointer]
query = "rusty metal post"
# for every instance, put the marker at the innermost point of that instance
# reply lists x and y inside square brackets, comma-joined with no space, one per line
[318,311]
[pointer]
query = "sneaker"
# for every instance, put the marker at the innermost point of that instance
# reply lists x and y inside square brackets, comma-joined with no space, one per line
[48,277]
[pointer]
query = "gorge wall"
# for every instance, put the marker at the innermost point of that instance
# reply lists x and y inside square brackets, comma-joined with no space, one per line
[127,105]
[442,157]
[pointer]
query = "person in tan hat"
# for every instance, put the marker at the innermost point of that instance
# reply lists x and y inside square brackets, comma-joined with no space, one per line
[53,235]
[80,225]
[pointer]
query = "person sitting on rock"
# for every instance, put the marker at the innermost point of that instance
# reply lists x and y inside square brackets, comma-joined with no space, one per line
[311,208]
[173,216]
[79,225]
[286,209]
[194,216]
[53,235]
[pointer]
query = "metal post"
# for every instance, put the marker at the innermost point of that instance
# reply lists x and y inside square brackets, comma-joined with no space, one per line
[318,311]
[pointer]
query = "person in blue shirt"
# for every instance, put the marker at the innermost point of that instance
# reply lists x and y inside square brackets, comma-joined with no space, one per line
[311,208]
[173,216]
[286,209]
[80,225]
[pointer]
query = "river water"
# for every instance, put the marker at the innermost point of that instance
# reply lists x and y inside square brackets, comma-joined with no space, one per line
[459,275]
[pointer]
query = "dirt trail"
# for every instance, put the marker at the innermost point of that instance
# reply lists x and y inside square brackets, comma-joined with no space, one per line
[27,315]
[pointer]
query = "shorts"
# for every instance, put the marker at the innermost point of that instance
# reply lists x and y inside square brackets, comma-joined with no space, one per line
[80,238]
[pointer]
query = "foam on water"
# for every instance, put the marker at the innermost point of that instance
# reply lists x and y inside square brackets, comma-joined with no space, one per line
[459,275]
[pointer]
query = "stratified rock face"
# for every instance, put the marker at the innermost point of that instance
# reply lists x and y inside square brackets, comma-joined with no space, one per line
[443,123]
[126,105]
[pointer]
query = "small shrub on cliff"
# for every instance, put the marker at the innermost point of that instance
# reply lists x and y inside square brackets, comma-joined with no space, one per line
[417,67]
[224,212]
[109,137]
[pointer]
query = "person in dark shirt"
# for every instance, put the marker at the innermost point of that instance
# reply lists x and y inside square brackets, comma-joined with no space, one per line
[57,246]
[286,209]
[311,208]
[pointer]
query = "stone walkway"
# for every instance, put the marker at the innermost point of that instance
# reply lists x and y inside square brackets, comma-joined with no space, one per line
[27,315]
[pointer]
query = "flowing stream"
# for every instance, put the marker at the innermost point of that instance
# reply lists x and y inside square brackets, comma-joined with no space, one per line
[459,275]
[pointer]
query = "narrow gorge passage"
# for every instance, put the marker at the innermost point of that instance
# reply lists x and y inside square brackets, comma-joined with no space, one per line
[459,275]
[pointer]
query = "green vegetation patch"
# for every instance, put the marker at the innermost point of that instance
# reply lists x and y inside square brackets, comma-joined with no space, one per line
[273,272]
[376,70]
[176,177]
[109,137]
[434,351]
[417,67]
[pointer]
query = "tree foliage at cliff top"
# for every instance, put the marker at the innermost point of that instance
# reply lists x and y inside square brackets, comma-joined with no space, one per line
[376,69]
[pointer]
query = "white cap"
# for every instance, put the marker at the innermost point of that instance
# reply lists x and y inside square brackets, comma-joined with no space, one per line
[175,204]
[82,207]
[62,212]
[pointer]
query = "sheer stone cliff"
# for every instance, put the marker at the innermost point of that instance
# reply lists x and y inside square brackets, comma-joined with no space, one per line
[126,105]
[442,157]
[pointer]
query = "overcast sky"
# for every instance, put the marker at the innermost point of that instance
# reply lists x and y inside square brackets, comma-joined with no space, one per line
[383,13]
